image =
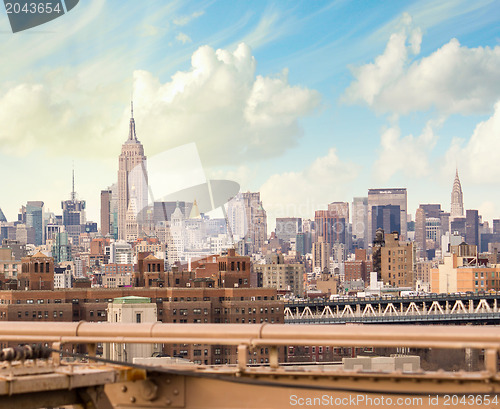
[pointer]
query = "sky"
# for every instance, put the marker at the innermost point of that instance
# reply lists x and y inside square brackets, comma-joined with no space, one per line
[308,102]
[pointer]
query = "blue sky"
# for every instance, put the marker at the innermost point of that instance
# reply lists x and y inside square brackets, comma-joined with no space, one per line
[309,102]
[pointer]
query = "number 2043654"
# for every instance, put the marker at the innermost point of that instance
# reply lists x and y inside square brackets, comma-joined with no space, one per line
[33,8]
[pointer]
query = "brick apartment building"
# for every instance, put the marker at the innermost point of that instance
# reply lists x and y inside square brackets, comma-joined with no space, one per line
[359,268]
[397,262]
[174,305]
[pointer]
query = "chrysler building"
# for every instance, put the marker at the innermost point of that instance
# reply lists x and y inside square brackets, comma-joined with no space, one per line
[457,199]
[132,178]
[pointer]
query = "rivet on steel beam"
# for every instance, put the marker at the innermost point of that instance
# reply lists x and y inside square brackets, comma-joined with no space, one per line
[124,389]
[168,402]
[175,392]
[168,380]
[132,399]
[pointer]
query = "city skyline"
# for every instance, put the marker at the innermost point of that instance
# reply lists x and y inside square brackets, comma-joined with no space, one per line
[282,100]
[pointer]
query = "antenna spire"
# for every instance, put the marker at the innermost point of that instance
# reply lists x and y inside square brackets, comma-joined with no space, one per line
[131,133]
[73,184]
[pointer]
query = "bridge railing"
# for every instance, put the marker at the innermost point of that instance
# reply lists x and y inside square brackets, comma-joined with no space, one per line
[246,336]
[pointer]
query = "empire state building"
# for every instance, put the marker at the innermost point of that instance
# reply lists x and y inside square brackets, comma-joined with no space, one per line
[132,178]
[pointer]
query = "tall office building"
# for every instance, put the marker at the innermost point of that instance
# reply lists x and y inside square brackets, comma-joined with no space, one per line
[342,209]
[32,216]
[472,227]
[109,211]
[431,223]
[360,221]
[61,250]
[434,211]
[259,227]
[397,262]
[287,228]
[332,225]
[248,219]
[496,226]
[132,176]
[387,218]
[420,233]
[162,211]
[457,199]
[387,197]
[458,226]
[106,212]
[73,216]
[321,251]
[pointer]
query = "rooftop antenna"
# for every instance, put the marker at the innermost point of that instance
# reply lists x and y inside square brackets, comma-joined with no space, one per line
[73,184]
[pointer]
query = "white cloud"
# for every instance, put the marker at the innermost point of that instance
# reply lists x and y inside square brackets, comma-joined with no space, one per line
[45,117]
[271,26]
[301,193]
[453,79]
[150,30]
[183,38]
[407,155]
[429,13]
[183,20]
[488,210]
[221,105]
[242,174]
[479,158]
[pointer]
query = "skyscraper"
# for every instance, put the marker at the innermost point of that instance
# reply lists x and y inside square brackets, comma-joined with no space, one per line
[420,233]
[332,226]
[106,226]
[109,211]
[73,216]
[342,209]
[248,219]
[457,199]
[360,221]
[472,227]
[132,176]
[387,197]
[34,220]
[387,218]
[2,216]
[288,227]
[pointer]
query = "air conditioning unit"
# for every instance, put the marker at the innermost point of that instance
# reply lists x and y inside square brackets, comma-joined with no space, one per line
[188,284]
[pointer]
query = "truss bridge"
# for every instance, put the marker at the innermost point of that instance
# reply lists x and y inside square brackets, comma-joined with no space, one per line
[421,309]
